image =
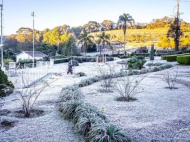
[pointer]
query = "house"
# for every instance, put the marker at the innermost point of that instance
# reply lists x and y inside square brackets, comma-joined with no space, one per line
[28,55]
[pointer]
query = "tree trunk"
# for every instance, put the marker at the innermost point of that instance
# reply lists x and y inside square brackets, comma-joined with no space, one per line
[124,32]
[103,47]
[177,36]
[85,50]
[100,49]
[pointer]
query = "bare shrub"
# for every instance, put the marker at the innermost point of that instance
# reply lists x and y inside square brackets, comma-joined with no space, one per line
[127,88]
[28,95]
[170,77]
[106,72]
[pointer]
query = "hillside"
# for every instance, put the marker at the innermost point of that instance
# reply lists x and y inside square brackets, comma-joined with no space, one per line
[143,37]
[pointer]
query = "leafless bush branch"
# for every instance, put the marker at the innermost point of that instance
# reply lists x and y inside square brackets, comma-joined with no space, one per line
[27,96]
[170,77]
[127,88]
[106,71]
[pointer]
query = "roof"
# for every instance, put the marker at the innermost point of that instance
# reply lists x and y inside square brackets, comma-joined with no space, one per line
[36,53]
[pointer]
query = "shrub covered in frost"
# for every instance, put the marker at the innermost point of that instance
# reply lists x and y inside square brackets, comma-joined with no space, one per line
[71,93]
[154,69]
[107,133]
[85,82]
[81,74]
[154,64]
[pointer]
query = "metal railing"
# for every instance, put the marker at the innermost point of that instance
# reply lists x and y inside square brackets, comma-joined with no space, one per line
[27,76]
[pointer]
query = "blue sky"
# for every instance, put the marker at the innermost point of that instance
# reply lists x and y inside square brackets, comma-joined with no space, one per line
[51,13]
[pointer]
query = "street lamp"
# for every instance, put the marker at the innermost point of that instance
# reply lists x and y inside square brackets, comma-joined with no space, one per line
[33,38]
[2,63]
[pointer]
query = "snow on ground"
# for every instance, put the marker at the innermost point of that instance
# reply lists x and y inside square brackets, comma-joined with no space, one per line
[50,127]
[159,113]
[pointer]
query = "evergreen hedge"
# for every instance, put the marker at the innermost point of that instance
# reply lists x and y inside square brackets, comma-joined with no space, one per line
[185,60]
[63,60]
[171,58]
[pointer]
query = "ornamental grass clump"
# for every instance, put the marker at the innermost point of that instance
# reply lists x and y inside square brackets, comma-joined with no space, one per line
[107,133]
[68,109]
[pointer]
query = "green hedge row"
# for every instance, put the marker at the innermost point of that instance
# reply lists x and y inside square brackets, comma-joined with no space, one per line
[63,60]
[141,54]
[117,55]
[185,60]
[172,58]
[80,59]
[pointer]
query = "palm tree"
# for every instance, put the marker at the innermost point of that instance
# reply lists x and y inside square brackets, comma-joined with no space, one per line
[122,23]
[103,39]
[85,39]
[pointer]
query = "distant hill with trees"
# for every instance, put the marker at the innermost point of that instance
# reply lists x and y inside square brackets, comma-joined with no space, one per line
[60,39]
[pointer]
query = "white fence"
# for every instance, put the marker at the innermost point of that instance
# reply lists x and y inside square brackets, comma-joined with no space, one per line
[26,77]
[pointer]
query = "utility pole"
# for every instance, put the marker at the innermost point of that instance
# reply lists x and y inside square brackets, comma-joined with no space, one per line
[2,63]
[177,32]
[33,39]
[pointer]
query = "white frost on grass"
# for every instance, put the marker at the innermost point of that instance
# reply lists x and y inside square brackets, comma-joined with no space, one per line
[159,113]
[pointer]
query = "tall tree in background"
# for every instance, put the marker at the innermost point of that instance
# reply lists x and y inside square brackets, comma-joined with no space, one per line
[67,44]
[86,39]
[24,38]
[175,32]
[103,39]
[46,36]
[11,43]
[122,24]
[91,26]
[64,29]
[110,25]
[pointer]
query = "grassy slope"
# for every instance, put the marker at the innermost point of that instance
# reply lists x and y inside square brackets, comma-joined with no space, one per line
[159,31]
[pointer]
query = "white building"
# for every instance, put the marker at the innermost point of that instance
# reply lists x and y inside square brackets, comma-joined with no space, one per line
[28,55]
